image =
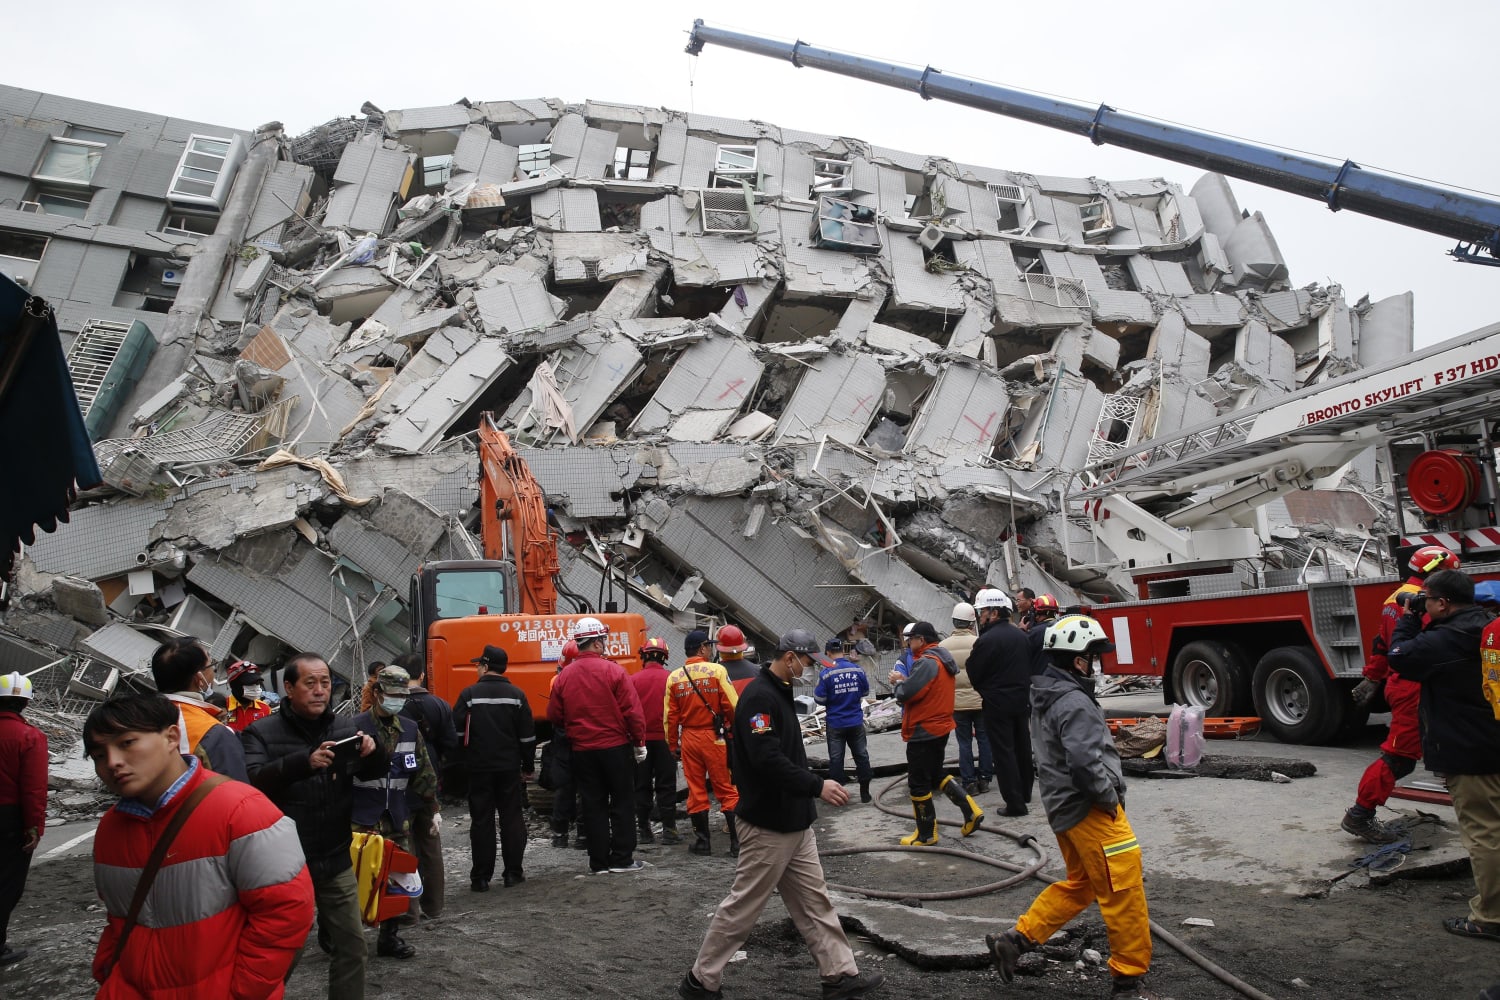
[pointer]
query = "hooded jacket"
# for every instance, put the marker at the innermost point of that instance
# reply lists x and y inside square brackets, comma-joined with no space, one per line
[1077,765]
[926,696]
[1460,734]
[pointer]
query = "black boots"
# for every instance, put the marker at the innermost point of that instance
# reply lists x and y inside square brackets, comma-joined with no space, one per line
[926,833]
[973,815]
[700,844]
[669,834]
[559,833]
[734,835]
[390,944]
[864,791]
[643,834]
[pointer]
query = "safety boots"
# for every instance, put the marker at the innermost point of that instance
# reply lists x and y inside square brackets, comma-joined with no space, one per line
[864,791]
[926,833]
[559,833]
[973,815]
[734,835]
[669,834]
[700,844]
[643,834]
[390,944]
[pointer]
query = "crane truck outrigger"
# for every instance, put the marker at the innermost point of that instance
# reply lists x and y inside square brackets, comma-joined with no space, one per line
[1182,512]
[508,598]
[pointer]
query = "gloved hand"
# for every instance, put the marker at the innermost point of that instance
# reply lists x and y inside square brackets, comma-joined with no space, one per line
[437,824]
[1364,691]
[640,755]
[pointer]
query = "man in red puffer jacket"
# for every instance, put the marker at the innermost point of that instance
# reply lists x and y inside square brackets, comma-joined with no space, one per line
[232,903]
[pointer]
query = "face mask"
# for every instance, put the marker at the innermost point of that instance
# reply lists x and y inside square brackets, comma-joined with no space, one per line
[252,692]
[393,705]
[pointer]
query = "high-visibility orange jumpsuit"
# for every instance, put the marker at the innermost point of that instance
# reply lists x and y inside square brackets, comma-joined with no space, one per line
[691,731]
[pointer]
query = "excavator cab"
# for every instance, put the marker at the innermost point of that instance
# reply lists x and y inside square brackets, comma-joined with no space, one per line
[459,588]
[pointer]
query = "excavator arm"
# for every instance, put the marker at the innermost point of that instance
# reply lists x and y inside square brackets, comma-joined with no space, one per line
[513,523]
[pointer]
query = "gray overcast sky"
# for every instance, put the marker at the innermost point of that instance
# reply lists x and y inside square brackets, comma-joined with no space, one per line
[1395,85]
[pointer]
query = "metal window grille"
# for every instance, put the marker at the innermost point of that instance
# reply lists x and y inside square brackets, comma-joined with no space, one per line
[1114,408]
[1008,194]
[1065,292]
[726,211]
[89,359]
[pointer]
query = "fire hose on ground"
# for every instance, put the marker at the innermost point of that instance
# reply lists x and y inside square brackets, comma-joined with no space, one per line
[1031,869]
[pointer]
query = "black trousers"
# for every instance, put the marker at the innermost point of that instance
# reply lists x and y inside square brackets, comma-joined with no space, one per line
[656,783]
[924,765]
[1010,746]
[493,793]
[14,865]
[606,792]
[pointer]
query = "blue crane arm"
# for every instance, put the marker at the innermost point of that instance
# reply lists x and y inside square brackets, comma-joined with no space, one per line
[1471,218]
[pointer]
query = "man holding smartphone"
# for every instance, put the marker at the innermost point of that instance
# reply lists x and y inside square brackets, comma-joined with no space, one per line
[294,756]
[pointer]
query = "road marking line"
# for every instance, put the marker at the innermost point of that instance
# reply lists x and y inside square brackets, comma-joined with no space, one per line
[60,848]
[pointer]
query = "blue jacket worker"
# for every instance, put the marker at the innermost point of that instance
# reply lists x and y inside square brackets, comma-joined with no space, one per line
[843,688]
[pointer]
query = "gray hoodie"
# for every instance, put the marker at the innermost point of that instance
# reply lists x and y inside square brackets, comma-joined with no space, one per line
[1077,765]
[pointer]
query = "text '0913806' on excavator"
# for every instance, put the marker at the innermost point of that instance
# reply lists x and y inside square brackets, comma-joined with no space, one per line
[1219,612]
[509,598]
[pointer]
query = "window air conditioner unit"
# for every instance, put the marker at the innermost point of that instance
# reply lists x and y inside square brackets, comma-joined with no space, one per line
[172,276]
[31,206]
[930,237]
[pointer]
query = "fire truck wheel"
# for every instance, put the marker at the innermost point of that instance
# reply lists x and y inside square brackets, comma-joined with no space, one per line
[1295,698]
[1212,676]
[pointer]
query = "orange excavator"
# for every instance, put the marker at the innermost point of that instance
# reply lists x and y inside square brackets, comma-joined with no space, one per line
[509,598]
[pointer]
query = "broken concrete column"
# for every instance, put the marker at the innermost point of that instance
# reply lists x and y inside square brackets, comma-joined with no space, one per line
[80,599]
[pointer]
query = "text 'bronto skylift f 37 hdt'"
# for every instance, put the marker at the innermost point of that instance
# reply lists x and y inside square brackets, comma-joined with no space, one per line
[509,598]
[1230,624]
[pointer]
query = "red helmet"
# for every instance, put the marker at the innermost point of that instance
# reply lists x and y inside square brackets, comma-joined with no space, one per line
[731,640]
[240,668]
[655,648]
[569,652]
[1431,558]
[1045,604]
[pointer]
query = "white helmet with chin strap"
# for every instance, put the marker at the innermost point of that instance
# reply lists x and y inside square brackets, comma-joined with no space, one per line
[15,685]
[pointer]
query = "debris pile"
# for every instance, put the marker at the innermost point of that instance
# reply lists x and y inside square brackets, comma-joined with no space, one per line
[768,376]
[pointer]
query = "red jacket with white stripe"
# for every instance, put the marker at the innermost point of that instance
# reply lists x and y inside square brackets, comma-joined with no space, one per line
[23,776]
[230,907]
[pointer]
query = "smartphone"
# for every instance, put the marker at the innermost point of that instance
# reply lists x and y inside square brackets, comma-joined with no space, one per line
[346,751]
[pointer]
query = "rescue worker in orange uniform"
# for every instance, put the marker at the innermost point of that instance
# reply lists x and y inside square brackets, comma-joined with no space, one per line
[245,702]
[699,708]
[1403,743]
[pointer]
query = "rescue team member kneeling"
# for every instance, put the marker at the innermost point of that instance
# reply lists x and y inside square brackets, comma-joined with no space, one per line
[1083,791]
[778,851]
[228,901]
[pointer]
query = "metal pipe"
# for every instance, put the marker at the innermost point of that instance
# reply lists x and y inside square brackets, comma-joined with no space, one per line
[1460,215]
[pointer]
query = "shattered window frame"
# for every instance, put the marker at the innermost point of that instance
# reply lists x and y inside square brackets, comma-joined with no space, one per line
[436,170]
[732,172]
[1009,200]
[534,158]
[18,248]
[845,226]
[632,164]
[1097,218]
[718,207]
[178,223]
[69,161]
[197,170]
[832,175]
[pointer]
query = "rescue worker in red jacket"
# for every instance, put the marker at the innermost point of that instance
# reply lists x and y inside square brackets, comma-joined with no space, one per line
[1403,743]
[245,702]
[699,708]
[23,799]
[656,776]
[732,649]
[232,903]
[926,698]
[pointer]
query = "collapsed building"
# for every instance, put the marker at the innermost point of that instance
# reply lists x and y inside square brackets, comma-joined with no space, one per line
[763,375]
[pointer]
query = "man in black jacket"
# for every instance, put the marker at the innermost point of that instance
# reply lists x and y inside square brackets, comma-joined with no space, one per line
[1460,731]
[291,758]
[435,721]
[1000,670]
[499,736]
[777,848]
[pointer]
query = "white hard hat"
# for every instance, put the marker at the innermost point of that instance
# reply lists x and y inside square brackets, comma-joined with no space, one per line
[588,628]
[990,597]
[1077,634]
[15,685]
[963,611]
[906,632]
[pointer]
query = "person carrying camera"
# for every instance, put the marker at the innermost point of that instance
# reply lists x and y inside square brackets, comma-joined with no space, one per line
[1403,742]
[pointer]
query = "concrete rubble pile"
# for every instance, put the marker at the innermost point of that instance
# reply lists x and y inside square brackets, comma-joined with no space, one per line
[781,378]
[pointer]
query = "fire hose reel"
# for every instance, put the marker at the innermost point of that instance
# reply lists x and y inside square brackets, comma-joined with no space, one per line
[1443,481]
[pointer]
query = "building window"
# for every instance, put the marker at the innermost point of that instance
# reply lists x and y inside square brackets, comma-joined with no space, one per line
[535,159]
[191,226]
[201,173]
[20,255]
[727,212]
[70,161]
[632,164]
[1009,199]
[58,204]
[831,175]
[1097,218]
[843,225]
[436,171]
[735,167]
[100,136]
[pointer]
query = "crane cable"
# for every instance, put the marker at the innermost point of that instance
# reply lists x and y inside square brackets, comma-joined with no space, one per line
[1023,872]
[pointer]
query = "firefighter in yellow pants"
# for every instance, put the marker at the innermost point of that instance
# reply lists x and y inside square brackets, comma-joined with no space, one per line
[699,711]
[1083,790]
